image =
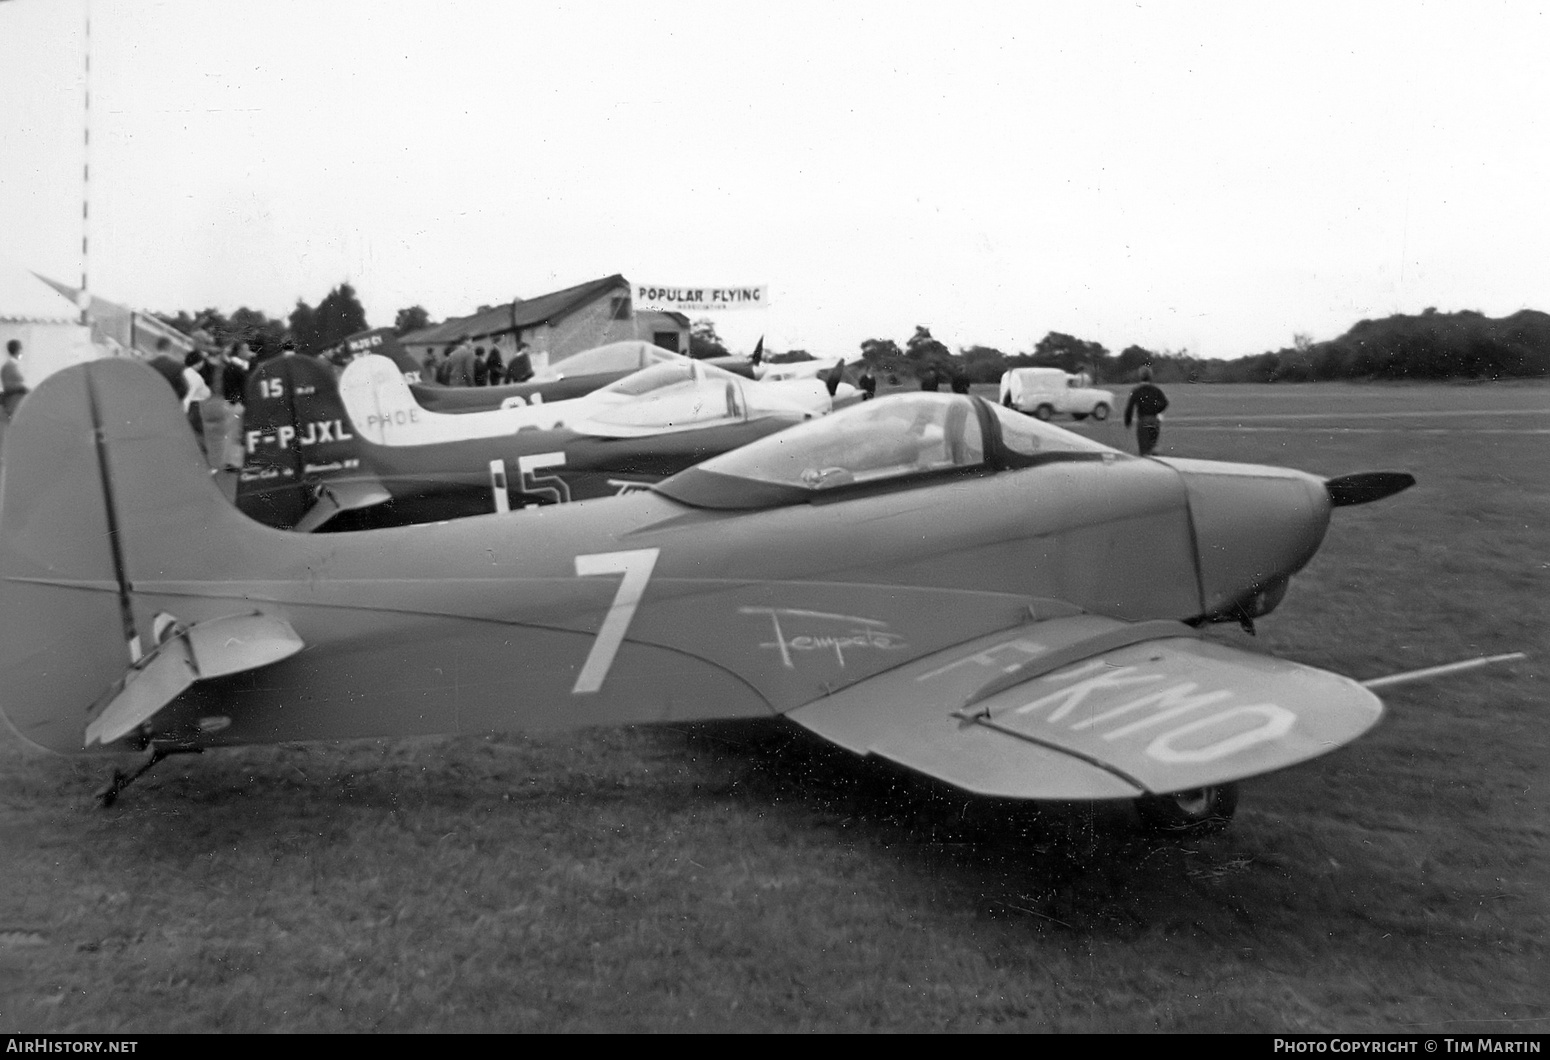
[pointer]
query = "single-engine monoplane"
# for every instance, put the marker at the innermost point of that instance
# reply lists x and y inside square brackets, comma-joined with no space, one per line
[319,448]
[577,375]
[927,578]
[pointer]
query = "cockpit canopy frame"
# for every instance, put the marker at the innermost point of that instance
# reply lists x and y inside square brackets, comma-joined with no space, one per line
[893,443]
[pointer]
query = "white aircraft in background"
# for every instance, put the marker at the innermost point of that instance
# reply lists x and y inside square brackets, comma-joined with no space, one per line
[382,408]
[817,368]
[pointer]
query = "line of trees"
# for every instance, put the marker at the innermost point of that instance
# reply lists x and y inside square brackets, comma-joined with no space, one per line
[1433,345]
[1430,346]
[338,315]
[923,352]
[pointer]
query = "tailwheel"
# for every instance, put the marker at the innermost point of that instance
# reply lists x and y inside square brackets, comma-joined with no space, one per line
[108,794]
[1199,811]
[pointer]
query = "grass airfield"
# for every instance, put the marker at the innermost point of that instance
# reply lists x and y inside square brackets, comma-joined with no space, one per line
[752,879]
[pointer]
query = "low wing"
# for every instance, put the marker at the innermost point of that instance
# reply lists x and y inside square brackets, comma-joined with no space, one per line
[1085,707]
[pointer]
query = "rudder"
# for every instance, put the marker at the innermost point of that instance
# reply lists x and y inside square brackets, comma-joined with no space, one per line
[298,437]
[101,485]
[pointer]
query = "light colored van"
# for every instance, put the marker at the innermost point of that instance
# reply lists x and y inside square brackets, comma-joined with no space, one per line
[1042,392]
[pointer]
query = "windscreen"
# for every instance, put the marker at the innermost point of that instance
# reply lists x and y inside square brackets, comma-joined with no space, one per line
[677,371]
[1026,436]
[646,380]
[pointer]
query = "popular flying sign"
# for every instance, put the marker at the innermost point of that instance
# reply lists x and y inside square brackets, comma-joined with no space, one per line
[701,299]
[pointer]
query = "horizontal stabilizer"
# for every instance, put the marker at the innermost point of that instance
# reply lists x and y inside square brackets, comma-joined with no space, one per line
[1126,710]
[215,648]
[337,497]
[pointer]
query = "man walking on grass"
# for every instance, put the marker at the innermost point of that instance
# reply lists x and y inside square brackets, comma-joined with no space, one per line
[1146,404]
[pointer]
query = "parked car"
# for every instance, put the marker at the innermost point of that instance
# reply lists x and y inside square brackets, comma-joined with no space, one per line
[1042,392]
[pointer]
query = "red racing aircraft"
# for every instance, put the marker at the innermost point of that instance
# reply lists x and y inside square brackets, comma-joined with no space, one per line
[928,578]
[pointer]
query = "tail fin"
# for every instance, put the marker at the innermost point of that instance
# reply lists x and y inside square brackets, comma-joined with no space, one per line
[102,490]
[298,436]
[380,408]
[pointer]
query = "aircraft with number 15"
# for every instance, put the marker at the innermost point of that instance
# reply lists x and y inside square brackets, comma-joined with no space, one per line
[360,451]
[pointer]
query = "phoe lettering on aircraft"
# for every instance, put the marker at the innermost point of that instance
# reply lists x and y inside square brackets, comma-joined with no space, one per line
[360,450]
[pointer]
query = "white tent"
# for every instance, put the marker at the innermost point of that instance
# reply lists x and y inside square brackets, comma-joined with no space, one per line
[46,316]
[118,328]
[45,322]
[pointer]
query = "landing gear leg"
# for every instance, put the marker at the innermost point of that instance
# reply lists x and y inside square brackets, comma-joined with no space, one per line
[108,794]
[1189,814]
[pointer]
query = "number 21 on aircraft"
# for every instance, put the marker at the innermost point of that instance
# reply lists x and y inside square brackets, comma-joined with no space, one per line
[636,567]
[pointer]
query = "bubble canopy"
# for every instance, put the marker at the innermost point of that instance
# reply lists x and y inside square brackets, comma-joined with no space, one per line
[614,357]
[666,397]
[688,395]
[892,443]
[655,377]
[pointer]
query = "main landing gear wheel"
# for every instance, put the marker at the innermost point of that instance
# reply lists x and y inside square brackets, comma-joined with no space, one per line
[1044,412]
[1200,811]
[1100,411]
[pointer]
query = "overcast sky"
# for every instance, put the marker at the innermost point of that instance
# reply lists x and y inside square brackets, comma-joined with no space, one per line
[1217,177]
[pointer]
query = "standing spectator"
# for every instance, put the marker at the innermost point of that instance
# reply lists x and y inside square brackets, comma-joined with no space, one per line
[171,369]
[867,384]
[428,366]
[960,381]
[444,366]
[1147,403]
[497,367]
[193,376]
[223,409]
[234,376]
[183,360]
[460,364]
[198,391]
[13,385]
[520,370]
[481,367]
[929,380]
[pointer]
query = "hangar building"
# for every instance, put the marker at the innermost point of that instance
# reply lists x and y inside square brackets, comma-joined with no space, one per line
[553,326]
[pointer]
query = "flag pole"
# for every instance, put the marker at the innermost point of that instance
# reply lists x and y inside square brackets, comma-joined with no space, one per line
[85,300]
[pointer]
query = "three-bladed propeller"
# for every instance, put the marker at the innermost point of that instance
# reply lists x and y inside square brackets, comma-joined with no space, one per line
[1366,486]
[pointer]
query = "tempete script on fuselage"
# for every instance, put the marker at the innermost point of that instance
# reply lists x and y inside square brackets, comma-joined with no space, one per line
[862,633]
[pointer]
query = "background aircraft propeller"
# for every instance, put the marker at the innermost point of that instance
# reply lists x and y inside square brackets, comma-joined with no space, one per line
[834,378]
